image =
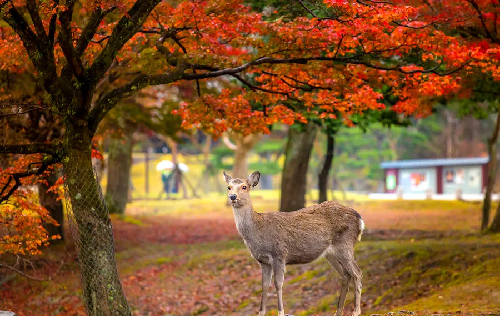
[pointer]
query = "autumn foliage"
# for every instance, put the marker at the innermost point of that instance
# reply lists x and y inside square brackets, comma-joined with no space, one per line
[22,218]
[333,58]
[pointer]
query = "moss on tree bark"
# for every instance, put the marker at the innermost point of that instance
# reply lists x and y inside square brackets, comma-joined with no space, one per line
[91,228]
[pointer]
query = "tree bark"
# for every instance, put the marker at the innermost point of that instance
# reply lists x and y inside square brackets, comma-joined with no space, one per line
[492,167]
[119,171]
[91,227]
[495,226]
[240,168]
[50,201]
[294,173]
[324,174]
[242,147]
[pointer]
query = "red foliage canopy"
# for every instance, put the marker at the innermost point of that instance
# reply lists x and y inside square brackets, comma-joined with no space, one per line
[334,57]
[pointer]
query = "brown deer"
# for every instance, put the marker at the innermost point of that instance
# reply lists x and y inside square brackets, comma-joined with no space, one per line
[277,239]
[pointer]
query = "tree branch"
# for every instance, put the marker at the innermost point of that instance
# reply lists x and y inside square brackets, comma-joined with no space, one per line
[91,28]
[109,100]
[28,37]
[480,15]
[496,130]
[49,278]
[304,60]
[30,172]
[33,148]
[127,26]
[66,42]
[336,18]
[40,50]
[228,142]
[31,5]
[22,273]
[52,24]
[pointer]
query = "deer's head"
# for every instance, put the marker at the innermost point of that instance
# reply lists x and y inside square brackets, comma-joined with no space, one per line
[238,189]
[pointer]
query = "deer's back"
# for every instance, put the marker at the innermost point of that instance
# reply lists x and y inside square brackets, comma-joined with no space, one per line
[304,235]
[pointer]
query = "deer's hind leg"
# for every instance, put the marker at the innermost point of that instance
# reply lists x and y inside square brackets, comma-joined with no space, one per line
[345,258]
[344,279]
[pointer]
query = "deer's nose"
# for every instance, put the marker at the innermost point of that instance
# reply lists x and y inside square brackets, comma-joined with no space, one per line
[233,197]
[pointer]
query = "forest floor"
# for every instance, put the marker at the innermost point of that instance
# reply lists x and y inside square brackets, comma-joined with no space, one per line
[186,258]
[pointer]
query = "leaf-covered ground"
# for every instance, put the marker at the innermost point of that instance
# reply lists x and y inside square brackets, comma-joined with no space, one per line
[418,256]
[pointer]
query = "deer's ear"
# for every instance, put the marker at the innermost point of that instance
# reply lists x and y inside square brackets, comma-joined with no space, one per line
[254,178]
[226,177]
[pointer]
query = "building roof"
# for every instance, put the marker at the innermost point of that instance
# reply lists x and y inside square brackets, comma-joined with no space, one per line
[420,163]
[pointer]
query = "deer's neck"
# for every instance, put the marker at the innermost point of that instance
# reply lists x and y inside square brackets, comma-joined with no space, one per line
[244,220]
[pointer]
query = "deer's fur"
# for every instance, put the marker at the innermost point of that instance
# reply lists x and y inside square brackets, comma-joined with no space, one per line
[328,230]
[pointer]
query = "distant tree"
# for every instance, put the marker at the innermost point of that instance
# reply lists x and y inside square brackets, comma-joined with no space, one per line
[119,126]
[495,226]
[241,145]
[268,165]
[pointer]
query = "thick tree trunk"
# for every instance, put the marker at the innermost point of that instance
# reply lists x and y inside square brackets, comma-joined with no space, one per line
[119,171]
[50,201]
[495,226]
[240,169]
[492,167]
[294,173]
[324,174]
[91,228]
[242,147]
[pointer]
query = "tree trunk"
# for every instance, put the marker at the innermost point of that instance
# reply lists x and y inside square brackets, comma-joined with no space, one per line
[91,228]
[296,162]
[324,174]
[119,171]
[50,201]
[492,167]
[242,147]
[240,169]
[495,226]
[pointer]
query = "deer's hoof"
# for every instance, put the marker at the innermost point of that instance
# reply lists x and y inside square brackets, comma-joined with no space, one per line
[261,313]
[356,313]
[281,313]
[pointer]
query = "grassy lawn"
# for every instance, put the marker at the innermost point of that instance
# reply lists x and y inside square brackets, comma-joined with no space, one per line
[186,258]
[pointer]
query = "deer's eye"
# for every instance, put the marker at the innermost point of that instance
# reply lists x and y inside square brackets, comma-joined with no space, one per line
[229,187]
[244,187]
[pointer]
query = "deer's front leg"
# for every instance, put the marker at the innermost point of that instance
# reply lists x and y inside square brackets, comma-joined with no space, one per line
[266,278]
[279,269]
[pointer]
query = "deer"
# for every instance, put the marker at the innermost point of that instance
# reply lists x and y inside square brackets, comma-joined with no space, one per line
[278,239]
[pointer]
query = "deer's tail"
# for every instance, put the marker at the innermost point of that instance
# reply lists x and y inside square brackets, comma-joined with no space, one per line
[361,226]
